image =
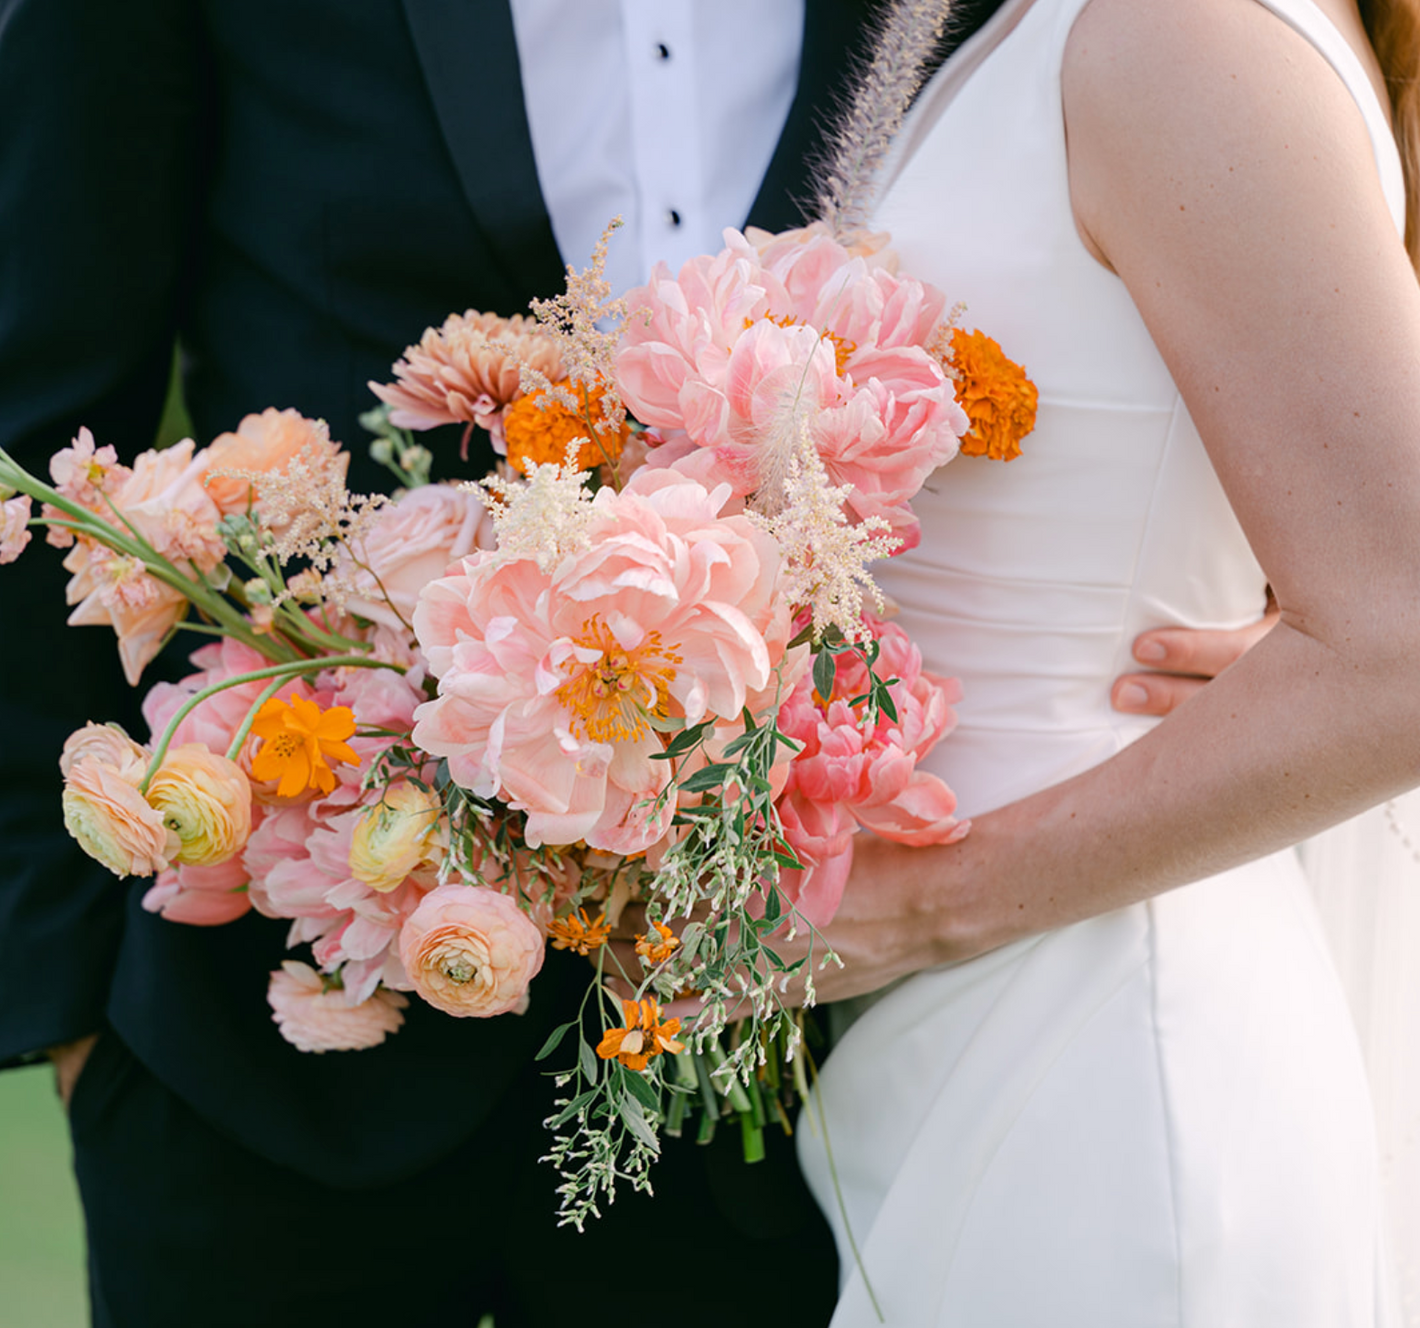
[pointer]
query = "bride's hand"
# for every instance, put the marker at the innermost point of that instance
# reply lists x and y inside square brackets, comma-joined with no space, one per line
[1181,660]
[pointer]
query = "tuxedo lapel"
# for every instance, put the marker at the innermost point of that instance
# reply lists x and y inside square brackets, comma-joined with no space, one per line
[836,41]
[469,55]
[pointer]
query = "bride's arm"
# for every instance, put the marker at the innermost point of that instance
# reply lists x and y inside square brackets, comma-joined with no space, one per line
[1220,166]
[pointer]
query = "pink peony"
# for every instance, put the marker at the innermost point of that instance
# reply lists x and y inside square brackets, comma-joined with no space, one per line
[14,527]
[413,541]
[744,347]
[314,1019]
[551,683]
[845,778]
[266,444]
[200,896]
[469,950]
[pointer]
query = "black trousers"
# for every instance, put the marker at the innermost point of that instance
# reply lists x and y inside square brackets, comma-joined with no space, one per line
[187,1227]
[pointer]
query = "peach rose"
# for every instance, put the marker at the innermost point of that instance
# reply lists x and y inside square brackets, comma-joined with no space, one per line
[469,950]
[396,836]
[413,542]
[314,1019]
[266,444]
[111,820]
[205,800]
[14,527]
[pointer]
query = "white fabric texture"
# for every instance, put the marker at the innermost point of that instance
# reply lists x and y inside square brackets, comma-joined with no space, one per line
[664,112]
[1159,1116]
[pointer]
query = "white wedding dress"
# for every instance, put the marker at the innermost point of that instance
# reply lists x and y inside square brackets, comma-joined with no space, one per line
[1159,1116]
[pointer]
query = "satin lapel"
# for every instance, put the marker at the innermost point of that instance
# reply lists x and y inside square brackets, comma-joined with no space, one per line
[470,59]
[836,38]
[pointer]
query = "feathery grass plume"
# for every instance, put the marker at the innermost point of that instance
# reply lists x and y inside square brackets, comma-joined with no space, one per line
[859,144]
[544,517]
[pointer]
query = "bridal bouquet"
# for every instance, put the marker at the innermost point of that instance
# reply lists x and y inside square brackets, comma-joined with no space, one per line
[644,661]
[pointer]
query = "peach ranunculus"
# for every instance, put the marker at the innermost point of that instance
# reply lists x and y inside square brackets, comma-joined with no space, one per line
[413,540]
[844,778]
[201,896]
[744,347]
[472,951]
[314,1019]
[266,444]
[466,371]
[396,836]
[205,800]
[103,809]
[551,683]
[14,527]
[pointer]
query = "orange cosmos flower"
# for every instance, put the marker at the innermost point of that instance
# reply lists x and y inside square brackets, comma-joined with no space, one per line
[298,741]
[644,1036]
[538,428]
[576,932]
[657,952]
[997,396]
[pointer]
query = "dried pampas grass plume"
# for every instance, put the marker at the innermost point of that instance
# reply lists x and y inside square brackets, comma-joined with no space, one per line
[859,144]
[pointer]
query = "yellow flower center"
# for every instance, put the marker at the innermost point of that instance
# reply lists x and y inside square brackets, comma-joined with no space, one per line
[616,695]
[843,349]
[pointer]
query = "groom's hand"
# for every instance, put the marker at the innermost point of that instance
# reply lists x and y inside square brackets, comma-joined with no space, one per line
[1181,660]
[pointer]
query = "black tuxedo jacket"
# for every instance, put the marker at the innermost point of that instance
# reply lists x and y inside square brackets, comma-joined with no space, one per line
[296,188]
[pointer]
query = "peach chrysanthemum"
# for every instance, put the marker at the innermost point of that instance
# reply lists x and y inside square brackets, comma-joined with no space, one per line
[578,933]
[538,429]
[657,951]
[467,370]
[994,391]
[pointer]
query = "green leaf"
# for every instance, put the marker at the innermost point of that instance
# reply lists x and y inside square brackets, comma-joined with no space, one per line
[787,862]
[825,671]
[587,1059]
[556,1037]
[572,1108]
[708,777]
[886,704]
[635,1118]
[685,741]
[773,908]
[639,1085]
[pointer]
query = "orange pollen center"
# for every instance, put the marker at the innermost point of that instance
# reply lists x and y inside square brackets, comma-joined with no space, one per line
[615,696]
[843,349]
[284,745]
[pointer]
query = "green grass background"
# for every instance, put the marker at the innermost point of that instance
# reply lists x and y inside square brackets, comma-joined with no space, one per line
[42,1281]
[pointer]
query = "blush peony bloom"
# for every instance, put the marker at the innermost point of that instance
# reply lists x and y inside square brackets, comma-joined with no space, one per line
[201,896]
[469,950]
[266,444]
[413,540]
[313,1019]
[14,527]
[457,375]
[205,800]
[845,778]
[551,683]
[103,809]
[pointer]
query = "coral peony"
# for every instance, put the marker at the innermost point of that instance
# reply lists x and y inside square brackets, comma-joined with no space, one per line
[205,800]
[314,1019]
[14,527]
[266,444]
[466,371]
[469,950]
[551,684]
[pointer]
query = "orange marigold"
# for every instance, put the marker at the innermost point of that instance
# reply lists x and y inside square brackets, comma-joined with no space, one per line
[644,1036]
[538,428]
[577,932]
[657,952]
[997,396]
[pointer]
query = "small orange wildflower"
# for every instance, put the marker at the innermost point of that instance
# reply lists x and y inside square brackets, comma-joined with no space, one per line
[657,952]
[644,1036]
[298,742]
[997,396]
[538,428]
[577,932]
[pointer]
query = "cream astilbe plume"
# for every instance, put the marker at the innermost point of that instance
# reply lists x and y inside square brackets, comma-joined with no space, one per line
[573,320]
[825,558]
[544,518]
[860,142]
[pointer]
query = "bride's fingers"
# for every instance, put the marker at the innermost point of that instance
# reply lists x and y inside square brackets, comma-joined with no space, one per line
[1152,693]
[1184,659]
